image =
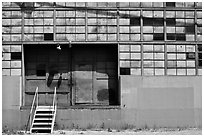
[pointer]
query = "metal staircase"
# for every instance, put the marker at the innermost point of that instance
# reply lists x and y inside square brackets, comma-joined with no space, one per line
[43,118]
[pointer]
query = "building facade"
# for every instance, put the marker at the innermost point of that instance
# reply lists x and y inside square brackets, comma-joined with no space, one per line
[113,63]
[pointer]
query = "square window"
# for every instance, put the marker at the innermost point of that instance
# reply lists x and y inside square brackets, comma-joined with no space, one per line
[171,22]
[136,56]
[190,48]
[135,71]
[159,64]
[124,71]
[171,48]
[180,48]
[171,36]
[134,21]
[158,22]
[190,56]
[159,48]
[181,71]
[170,14]
[171,71]
[149,72]
[148,64]
[190,71]
[170,4]
[124,55]
[148,55]
[124,48]
[136,64]
[190,63]
[159,71]
[135,48]
[159,56]
[171,64]
[158,36]
[124,63]
[181,63]
[170,29]
[16,55]
[181,56]
[48,36]
[147,47]
[171,56]
[181,37]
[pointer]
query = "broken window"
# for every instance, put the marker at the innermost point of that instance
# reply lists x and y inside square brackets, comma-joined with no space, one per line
[158,36]
[180,37]
[171,22]
[135,21]
[158,22]
[190,56]
[170,4]
[171,36]
[16,55]
[199,55]
[48,36]
[147,21]
[124,71]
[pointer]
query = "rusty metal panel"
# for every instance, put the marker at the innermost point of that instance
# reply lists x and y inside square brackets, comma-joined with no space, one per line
[83,83]
[32,84]
[101,88]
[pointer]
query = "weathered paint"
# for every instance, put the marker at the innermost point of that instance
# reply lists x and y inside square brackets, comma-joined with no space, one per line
[145,102]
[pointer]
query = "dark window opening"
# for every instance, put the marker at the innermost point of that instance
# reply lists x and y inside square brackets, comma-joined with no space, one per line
[170,4]
[171,22]
[200,63]
[158,22]
[199,47]
[147,22]
[135,21]
[171,36]
[158,36]
[124,71]
[41,70]
[48,36]
[199,55]
[153,21]
[181,37]
[16,55]
[190,29]
[190,56]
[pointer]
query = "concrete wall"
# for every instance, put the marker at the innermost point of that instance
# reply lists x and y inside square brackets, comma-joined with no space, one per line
[145,102]
[11,88]
[169,101]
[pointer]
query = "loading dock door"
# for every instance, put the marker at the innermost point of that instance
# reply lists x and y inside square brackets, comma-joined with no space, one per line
[83,82]
[87,74]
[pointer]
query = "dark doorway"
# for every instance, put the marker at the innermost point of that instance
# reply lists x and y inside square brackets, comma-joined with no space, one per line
[83,74]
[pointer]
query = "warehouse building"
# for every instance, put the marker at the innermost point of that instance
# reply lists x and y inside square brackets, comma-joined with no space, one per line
[113,63]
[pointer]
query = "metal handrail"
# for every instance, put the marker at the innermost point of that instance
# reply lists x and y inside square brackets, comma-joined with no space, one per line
[55,108]
[54,97]
[31,110]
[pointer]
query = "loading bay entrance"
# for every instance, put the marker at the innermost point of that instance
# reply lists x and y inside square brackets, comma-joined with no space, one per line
[83,74]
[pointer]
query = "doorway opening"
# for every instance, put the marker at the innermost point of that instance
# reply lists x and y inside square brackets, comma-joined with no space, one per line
[84,74]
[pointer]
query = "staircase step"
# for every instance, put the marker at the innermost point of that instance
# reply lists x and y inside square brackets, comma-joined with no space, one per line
[43,121]
[42,126]
[44,116]
[45,109]
[41,131]
[50,123]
